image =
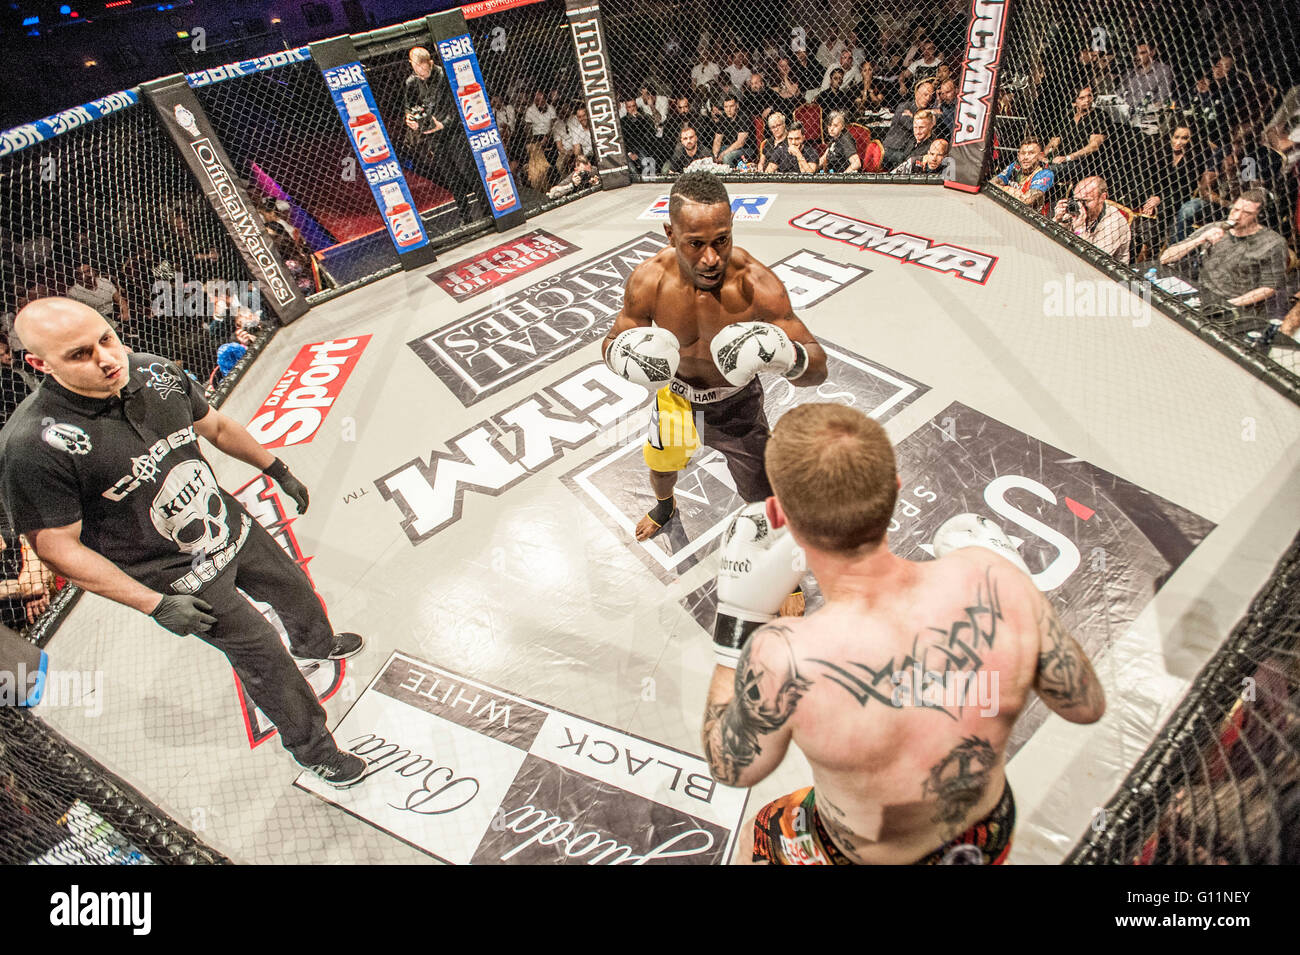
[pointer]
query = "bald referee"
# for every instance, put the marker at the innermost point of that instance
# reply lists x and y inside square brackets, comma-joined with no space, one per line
[102,471]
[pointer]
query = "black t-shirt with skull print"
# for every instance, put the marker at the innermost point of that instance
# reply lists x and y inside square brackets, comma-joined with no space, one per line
[130,469]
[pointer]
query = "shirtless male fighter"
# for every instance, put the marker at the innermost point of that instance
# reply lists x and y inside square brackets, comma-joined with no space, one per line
[903,689]
[700,320]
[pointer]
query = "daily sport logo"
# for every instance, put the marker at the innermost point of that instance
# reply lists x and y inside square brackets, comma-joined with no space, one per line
[911,249]
[744,208]
[469,277]
[296,407]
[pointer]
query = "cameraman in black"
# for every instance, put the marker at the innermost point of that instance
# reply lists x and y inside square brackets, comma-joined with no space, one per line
[435,138]
[584,177]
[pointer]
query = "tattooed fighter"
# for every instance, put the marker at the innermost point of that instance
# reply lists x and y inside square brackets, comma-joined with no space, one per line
[700,320]
[903,689]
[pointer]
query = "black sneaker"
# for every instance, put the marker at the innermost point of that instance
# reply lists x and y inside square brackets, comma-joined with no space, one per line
[345,645]
[340,770]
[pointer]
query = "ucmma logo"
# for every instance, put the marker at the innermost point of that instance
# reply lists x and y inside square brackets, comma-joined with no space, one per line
[983,56]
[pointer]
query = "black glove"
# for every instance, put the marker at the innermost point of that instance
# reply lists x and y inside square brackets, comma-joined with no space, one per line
[184,615]
[278,470]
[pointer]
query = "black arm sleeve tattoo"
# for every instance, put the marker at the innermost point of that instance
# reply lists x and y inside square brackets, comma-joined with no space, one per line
[768,687]
[1064,675]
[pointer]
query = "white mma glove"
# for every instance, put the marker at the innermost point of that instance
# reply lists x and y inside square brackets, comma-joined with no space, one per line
[971,530]
[742,350]
[648,356]
[760,568]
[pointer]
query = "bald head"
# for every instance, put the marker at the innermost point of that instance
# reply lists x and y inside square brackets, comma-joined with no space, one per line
[47,324]
[73,343]
[421,62]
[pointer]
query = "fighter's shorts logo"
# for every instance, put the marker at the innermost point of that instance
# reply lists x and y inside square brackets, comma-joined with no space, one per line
[163,381]
[67,437]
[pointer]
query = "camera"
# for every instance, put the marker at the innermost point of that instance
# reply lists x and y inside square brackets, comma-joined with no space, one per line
[1073,207]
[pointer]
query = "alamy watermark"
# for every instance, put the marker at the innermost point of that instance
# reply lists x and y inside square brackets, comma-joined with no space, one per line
[54,688]
[214,298]
[1098,298]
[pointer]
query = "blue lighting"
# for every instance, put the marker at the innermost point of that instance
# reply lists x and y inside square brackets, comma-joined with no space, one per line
[65,9]
[31,21]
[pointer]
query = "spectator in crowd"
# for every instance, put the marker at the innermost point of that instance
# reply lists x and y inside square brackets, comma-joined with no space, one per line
[806,72]
[923,134]
[705,71]
[900,91]
[654,105]
[1244,261]
[786,90]
[794,155]
[737,70]
[1223,97]
[1080,139]
[835,97]
[583,176]
[540,117]
[927,62]
[680,115]
[1094,218]
[576,140]
[899,141]
[1150,85]
[758,99]
[506,116]
[848,71]
[13,386]
[435,137]
[639,138]
[934,162]
[830,48]
[889,64]
[689,150]
[733,134]
[26,584]
[777,130]
[1169,184]
[870,97]
[98,292]
[1217,191]
[841,155]
[946,106]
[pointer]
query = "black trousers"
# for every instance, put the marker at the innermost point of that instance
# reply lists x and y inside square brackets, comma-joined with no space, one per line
[266,573]
[737,426]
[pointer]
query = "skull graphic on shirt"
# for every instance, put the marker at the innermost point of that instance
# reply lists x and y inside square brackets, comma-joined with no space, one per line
[189,509]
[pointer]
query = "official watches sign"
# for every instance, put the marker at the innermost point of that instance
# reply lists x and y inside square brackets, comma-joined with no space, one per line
[471,774]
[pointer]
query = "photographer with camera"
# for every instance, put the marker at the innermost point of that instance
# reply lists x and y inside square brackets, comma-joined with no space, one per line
[1093,218]
[435,139]
[583,177]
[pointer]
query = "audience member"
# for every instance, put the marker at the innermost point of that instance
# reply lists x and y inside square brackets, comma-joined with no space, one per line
[639,138]
[1080,139]
[899,141]
[927,62]
[758,99]
[98,292]
[689,150]
[835,97]
[842,154]
[705,71]
[869,97]
[1170,182]
[794,155]
[935,161]
[1150,85]
[1092,217]
[777,130]
[947,106]
[1244,261]
[732,138]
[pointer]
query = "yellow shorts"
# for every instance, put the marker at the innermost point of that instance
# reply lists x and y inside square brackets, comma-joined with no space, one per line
[672,437]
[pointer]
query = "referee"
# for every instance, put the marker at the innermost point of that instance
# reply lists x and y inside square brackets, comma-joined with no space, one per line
[102,471]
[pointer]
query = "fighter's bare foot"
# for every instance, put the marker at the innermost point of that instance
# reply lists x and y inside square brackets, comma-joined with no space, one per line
[658,516]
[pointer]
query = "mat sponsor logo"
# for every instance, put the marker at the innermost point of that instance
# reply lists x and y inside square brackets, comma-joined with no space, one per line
[260,498]
[296,407]
[501,263]
[912,249]
[744,208]
[614,484]
[983,56]
[497,779]
[522,333]
[247,228]
[565,415]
